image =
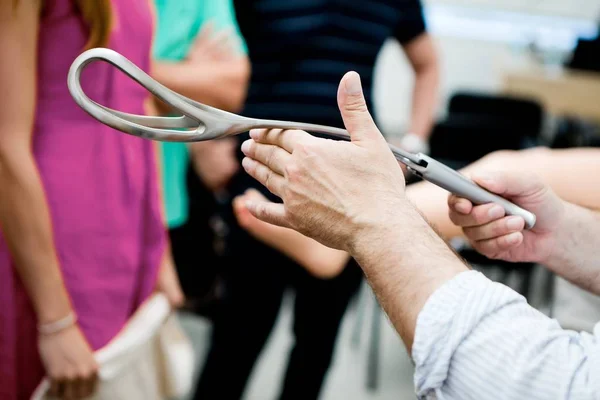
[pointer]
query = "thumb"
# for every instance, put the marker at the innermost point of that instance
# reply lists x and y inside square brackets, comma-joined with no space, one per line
[509,183]
[353,107]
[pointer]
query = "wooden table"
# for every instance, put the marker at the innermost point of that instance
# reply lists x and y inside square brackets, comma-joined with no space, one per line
[562,93]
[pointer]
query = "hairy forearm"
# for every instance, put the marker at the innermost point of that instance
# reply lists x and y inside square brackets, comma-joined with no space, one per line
[576,254]
[405,261]
[25,223]
[219,84]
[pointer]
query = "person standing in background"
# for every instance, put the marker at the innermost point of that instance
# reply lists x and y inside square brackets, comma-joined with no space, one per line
[299,50]
[198,52]
[83,239]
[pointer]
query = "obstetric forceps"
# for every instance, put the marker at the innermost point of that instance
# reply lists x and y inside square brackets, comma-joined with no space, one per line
[200,122]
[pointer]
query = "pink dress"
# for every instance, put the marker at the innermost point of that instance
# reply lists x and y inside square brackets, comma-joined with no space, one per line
[101,187]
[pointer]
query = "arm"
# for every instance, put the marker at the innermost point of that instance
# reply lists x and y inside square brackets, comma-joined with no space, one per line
[576,254]
[571,184]
[405,261]
[455,327]
[422,56]
[319,260]
[218,83]
[481,340]
[24,215]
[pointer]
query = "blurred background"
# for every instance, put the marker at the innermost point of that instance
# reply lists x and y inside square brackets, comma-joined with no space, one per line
[521,49]
[269,314]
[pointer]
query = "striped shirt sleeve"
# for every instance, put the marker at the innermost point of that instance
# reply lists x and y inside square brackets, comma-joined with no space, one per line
[476,339]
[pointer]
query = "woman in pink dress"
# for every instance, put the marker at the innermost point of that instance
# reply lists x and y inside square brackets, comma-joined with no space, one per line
[82,237]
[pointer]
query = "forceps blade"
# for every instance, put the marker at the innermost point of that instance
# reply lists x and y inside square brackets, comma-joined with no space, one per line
[203,122]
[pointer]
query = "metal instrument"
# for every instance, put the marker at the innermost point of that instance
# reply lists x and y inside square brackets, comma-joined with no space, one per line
[200,122]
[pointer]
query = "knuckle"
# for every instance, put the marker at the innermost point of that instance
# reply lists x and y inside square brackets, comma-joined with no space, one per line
[83,373]
[55,375]
[355,103]
[269,181]
[270,155]
[306,147]
[292,170]
[70,375]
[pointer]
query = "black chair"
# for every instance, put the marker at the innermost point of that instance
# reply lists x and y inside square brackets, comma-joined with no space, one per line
[585,57]
[478,124]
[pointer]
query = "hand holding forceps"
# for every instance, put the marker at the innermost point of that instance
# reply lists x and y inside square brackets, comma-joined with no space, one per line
[200,122]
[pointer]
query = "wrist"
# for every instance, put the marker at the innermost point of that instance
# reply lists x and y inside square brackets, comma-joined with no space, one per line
[564,236]
[374,234]
[57,326]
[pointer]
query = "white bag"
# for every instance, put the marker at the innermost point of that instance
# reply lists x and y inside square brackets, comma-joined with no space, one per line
[151,358]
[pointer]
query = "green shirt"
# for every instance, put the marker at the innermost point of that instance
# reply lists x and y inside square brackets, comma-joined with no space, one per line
[179,21]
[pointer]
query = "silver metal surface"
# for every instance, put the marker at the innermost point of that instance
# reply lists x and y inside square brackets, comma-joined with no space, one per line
[200,122]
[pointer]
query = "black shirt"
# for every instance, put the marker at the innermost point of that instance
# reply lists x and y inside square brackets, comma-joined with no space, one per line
[300,49]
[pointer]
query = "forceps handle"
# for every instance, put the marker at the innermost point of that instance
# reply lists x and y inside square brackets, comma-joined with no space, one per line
[424,166]
[456,183]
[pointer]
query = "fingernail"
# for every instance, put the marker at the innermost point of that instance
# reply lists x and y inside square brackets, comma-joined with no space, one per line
[513,238]
[496,212]
[352,84]
[246,146]
[246,163]
[514,223]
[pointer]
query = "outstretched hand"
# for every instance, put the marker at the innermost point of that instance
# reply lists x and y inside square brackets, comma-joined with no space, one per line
[331,190]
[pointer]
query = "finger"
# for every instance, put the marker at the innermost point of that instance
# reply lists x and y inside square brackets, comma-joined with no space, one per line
[509,183]
[272,156]
[286,139]
[495,229]
[254,194]
[492,248]
[269,179]
[479,215]
[459,204]
[353,107]
[269,212]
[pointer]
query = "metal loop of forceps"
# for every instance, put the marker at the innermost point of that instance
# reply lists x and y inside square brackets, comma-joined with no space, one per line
[200,122]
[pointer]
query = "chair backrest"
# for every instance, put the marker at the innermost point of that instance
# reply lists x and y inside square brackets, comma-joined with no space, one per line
[585,57]
[478,124]
[525,115]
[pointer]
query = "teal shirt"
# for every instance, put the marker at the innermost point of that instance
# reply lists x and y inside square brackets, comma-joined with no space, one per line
[179,21]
